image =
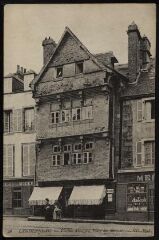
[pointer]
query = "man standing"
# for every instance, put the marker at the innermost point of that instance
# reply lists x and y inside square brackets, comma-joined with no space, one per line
[48,210]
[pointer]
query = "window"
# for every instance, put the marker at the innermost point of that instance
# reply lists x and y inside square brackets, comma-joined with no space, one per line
[138,154]
[87,157]
[149,109]
[87,112]
[28,159]
[56,160]
[76,114]
[79,67]
[145,109]
[89,145]
[55,117]
[77,157]
[67,159]
[8,121]
[136,197]
[149,149]
[67,148]
[29,119]
[77,146]
[65,115]
[56,148]
[17,197]
[59,72]
[8,160]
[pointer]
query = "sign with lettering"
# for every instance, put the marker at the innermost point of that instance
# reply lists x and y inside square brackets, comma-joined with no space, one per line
[136,197]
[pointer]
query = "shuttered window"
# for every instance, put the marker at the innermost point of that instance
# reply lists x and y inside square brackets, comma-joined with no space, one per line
[28,158]
[87,112]
[8,121]
[29,117]
[8,160]
[18,120]
[139,110]
[149,149]
[138,153]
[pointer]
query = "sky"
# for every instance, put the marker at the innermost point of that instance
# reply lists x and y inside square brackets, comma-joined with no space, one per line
[100,27]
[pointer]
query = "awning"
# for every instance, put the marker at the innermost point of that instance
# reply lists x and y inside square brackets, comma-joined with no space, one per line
[87,195]
[39,195]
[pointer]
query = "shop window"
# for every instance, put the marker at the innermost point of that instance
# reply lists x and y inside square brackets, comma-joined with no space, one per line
[136,197]
[77,158]
[76,114]
[65,115]
[87,157]
[77,146]
[56,148]
[29,119]
[55,117]
[8,122]
[88,145]
[149,149]
[8,160]
[59,72]
[56,160]
[28,159]
[17,197]
[79,67]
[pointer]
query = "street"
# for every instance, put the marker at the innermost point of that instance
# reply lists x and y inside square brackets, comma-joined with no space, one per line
[21,227]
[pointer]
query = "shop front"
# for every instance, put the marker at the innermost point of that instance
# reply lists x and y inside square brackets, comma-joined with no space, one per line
[135,196]
[78,200]
[15,197]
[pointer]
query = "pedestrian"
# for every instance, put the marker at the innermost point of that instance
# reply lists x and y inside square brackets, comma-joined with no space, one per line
[48,210]
[57,211]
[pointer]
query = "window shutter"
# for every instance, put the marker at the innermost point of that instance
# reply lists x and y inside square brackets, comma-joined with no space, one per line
[5,160]
[5,122]
[138,153]
[11,122]
[32,157]
[25,159]
[18,120]
[139,110]
[148,110]
[10,152]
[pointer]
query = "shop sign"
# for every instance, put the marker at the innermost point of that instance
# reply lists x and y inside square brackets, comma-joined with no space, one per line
[13,184]
[110,190]
[145,177]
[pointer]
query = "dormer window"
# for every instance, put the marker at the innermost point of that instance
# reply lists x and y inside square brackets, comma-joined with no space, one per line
[79,67]
[59,72]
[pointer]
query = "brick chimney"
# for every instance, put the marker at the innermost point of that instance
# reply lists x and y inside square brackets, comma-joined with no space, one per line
[134,60]
[48,49]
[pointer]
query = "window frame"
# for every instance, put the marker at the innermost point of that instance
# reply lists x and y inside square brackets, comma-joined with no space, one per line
[33,121]
[77,158]
[55,160]
[143,153]
[55,117]
[77,68]
[58,149]
[144,109]
[88,157]
[57,69]
[17,190]
[65,111]
[79,149]
[89,142]
[9,113]
[29,162]
[76,114]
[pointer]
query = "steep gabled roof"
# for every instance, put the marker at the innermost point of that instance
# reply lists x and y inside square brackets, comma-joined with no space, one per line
[106,57]
[92,57]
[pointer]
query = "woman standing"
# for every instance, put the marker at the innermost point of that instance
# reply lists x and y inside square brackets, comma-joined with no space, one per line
[48,210]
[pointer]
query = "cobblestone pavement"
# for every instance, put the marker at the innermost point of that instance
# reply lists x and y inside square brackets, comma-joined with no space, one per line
[21,227]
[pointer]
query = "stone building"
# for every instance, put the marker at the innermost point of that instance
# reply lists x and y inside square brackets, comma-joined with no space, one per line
[19,142]
[135,178]
[75,94]
[95,130]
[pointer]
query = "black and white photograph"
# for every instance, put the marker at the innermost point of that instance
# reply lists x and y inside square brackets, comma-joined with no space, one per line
[79,120]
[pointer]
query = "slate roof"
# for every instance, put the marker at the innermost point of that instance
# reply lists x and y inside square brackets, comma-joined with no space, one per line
[145,85]
[106,57]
